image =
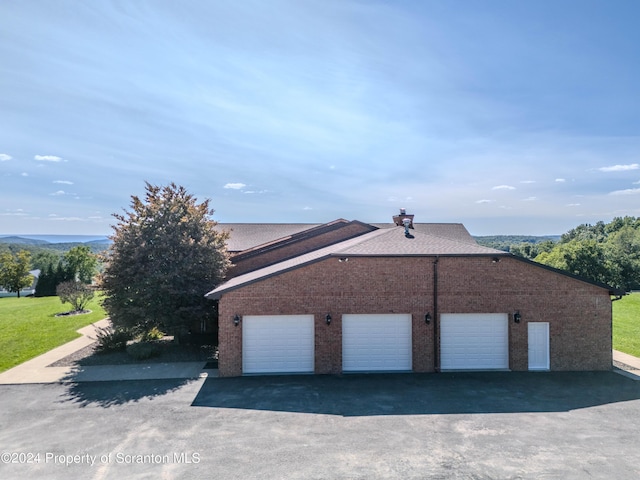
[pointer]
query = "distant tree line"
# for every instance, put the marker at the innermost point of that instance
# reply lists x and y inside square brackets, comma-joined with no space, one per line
[58,263]
[77,265]
[58,249]
[605,252]
[51,277]
[513,243]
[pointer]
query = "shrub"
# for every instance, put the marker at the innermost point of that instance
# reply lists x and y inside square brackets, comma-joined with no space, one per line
[75,293]
[111,339]
[153,334]
[143,350]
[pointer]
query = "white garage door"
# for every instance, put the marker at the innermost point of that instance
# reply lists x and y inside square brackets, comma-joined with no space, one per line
[378,342]
[474,341]
[277,344]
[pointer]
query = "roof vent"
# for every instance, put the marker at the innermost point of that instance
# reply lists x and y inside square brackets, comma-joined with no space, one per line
[402,219]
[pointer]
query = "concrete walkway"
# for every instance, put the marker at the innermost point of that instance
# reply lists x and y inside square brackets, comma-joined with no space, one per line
[631,361]
[37,370]
[627,359]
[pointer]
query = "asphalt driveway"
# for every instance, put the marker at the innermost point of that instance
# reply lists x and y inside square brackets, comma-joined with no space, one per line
[461,426]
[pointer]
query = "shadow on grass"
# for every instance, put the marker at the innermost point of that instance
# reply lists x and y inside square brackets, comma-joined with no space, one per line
[112,393]
[420,394]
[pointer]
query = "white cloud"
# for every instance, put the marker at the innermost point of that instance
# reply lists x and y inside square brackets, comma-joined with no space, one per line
[628,191]
[24,174]
[636,183]
[572,205]
[503,187]
[257,192]
[527,181]
[235,186]
[14,213]
[560,180]
[4,157]
[58,193]
[67,219]
[620,168]
[64,182]
[307,208]
[484,201]
[529,199]
[47,158]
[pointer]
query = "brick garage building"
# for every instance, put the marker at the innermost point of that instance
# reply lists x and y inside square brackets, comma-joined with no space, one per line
[374,298]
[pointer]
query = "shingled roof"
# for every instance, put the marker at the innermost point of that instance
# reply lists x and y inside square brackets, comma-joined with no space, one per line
[451,239]
[244,236]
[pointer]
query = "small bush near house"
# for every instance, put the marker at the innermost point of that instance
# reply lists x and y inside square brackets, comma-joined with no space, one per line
[151,335]
[111,339]
[143,350]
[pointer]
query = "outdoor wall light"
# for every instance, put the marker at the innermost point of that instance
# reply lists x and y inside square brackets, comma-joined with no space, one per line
[517,317]
[427,318]
[236,319]
[328,318]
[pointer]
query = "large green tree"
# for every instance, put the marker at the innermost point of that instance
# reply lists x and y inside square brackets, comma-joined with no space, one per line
[14,271]
[166,254]
[622,251]
[82,263]
[42,259]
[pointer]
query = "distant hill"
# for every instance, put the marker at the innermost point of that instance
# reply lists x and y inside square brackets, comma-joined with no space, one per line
[102,241]
[23,241]
[58,244]
[55,239]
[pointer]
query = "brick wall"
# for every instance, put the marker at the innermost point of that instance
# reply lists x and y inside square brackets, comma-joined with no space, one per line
[579,313]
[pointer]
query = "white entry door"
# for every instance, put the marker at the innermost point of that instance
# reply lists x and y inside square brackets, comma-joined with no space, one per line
[474,341]
[538,345]
[277,344]
[376,342]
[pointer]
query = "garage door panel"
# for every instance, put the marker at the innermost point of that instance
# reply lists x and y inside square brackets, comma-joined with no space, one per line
[376,342]
[474,341]
[278,344]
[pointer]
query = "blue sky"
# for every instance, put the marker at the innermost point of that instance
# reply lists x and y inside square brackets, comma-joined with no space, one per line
[510,117]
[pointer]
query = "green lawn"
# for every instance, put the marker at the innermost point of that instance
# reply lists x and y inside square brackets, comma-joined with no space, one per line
[29,327]
[626,324]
